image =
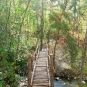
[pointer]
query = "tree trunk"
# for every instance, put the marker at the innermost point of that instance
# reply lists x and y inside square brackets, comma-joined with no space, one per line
[48,36]
[37,17]
[78,39]
[83,58]
[23,17]
[57,38]
[42,25]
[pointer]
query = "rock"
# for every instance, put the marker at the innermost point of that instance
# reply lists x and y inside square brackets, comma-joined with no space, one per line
[83,82]
[75,78]
[85,78]
[64,65]
[68,78]
[57,78]
[64,83]
[60,65]
[7,86]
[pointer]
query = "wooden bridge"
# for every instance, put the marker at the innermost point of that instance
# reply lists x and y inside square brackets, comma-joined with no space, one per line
[40,69]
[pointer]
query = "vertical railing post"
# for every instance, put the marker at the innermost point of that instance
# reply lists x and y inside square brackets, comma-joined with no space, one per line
[31,62]
[48,48]
[36,52]
[31,55]
[29,70]
[35,55]
[37,49]
[51,70]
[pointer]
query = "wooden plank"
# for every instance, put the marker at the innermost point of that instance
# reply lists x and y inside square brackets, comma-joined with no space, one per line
[40,81]
[43,74]
[40,86]
[40,77]
[41,68]
[41,63]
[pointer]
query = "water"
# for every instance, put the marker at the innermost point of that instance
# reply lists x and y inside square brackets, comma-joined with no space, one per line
[59,84]
[62,83]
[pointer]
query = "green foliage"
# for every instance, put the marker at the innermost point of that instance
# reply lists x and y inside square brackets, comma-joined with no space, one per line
[74,5]
[72,46]
[55,22]
[7,60]
[52,0]
[0,84]
[61,21]
[19,38]
[21,64]
[10,22]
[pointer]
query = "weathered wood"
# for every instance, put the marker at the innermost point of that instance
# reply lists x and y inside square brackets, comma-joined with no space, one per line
[42,75]
[29,70]
[40,86]
[31,62]
[51,70]
[35,55]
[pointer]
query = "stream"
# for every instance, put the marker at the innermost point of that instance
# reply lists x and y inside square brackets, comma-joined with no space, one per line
[57,83]
[62,83]
[68,83]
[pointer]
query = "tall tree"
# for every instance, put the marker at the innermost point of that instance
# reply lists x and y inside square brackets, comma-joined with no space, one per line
[42,24]
[83,58]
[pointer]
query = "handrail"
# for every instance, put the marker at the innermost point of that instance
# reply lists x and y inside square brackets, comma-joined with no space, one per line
[31,69]
[51,66]
[33,73]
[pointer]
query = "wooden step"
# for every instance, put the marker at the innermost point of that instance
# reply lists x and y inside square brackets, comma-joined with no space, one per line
[41,73]
[40,77]
[36,81]
[40,86]
[41,69]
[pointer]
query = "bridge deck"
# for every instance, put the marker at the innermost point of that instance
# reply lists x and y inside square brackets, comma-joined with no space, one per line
[40,75]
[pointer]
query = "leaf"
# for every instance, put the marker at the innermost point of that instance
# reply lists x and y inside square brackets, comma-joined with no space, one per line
[85,1]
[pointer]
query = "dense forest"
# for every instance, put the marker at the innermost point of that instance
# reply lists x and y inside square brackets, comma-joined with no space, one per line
[26,23]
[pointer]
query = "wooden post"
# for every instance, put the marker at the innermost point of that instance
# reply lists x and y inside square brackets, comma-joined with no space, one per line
[31,62]
[48,57]
[31,56]
[35,55]
[48,52]
[49,63]
[49,66]
[51,70]
[48,48]
[37,49]
[29,70]
[54,61]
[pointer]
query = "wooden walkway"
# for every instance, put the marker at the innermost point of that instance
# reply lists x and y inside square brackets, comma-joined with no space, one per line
[41,75]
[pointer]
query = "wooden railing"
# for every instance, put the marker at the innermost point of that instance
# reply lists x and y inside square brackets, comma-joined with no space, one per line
[31,59]
[31,68]
[51,66]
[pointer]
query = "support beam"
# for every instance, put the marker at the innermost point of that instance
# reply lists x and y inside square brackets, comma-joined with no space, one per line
[51,70]
[29,70]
